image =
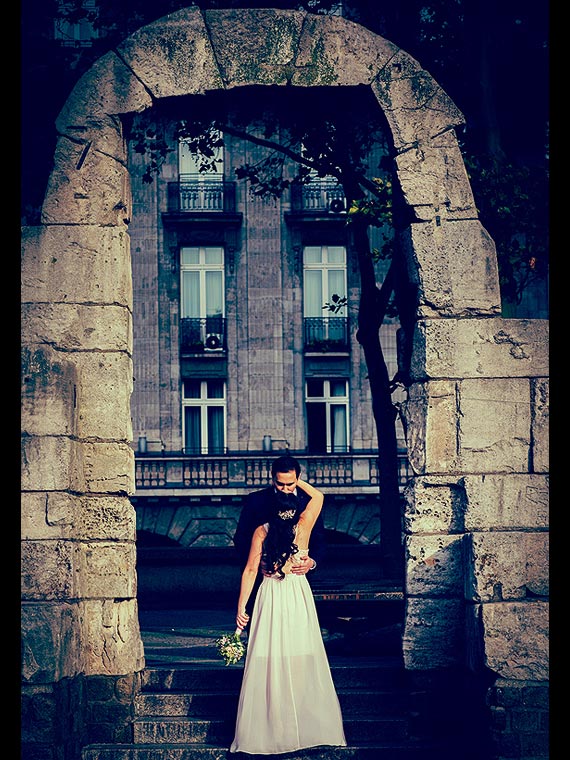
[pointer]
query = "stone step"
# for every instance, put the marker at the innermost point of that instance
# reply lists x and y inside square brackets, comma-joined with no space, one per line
[178,730]
[187,706]
[368,703]
[196,678]
[388,750]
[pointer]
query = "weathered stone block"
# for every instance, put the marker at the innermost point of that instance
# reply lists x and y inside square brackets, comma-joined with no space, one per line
[506,502]
[42,519]
[51,464]
[111,641]
[336,51]
[449,196]
[49,383]
[430,413]
[255,47]
[434,504]
[90,263]
[38,721]
[473,426]
[106,569]
[85,187]
[494,421]
[70,326]
[516,639]
[109,468]
[106,517]
[108,88]
[47,570]
[105,384]
[433,633]
[472,348]
[403,82]
[456,267]
[173,55]
[56,385]
[54,515]
[540,399]
[506,566]
[51,646]
[434,566]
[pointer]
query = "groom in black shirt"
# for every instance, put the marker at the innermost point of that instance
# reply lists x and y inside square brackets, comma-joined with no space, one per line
[258,507]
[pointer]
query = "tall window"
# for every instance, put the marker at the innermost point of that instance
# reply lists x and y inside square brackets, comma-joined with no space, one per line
[203,416]
[200,186]
[189,163]
[202,286]
[202,296]
[326,403]
[324,277]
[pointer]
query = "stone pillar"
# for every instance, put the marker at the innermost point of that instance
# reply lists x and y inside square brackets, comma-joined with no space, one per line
[476,518]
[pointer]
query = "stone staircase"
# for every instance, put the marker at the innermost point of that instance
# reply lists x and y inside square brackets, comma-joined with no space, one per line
[188,702]
[187,712]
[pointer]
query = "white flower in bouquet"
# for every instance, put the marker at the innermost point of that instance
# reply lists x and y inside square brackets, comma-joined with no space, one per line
[231,647]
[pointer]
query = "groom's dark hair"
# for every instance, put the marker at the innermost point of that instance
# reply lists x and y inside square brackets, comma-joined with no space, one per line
[285,464]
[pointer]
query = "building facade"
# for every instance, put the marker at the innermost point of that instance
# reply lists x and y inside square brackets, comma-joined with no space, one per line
[236,357]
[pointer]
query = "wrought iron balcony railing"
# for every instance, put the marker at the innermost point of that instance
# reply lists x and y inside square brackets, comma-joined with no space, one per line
[246,471]
[193,193]
[205,335]
[326,334]
[318,195]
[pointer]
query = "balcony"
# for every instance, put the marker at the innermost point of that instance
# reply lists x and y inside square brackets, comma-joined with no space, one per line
[194,194]
[241,472]
[321,196]
[324,334]
[205,336]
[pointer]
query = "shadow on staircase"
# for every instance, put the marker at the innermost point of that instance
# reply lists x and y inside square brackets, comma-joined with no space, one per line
[187,706]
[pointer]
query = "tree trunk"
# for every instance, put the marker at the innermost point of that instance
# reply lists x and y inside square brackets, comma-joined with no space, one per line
[371,313]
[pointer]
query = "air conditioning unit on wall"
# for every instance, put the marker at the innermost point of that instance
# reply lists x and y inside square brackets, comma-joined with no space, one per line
[337,205]
[213,342]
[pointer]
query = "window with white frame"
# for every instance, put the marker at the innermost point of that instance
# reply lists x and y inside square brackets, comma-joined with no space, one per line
[200,184]
[324,268]
[202,292]
[204,416]
[325,276]
[326,403]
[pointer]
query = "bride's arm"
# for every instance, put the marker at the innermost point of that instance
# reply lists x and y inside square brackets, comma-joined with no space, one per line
[313,508]
[249,574]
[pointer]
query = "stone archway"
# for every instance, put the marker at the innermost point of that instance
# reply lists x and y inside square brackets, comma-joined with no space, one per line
[79,591]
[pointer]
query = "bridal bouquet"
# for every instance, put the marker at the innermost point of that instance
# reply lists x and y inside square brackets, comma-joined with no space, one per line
[231,647]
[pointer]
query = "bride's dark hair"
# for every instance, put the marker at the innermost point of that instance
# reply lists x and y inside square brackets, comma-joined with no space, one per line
[279,544]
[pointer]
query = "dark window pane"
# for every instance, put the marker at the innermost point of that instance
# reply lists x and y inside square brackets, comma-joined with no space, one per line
[316,427]
[192,432]
[215,388]
[192,389]
[215,430]
[315,387]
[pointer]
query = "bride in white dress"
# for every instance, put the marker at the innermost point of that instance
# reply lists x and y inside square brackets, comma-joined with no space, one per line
[287,699]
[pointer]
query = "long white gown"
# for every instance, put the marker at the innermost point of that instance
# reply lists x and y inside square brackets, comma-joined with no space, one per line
[287,699]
